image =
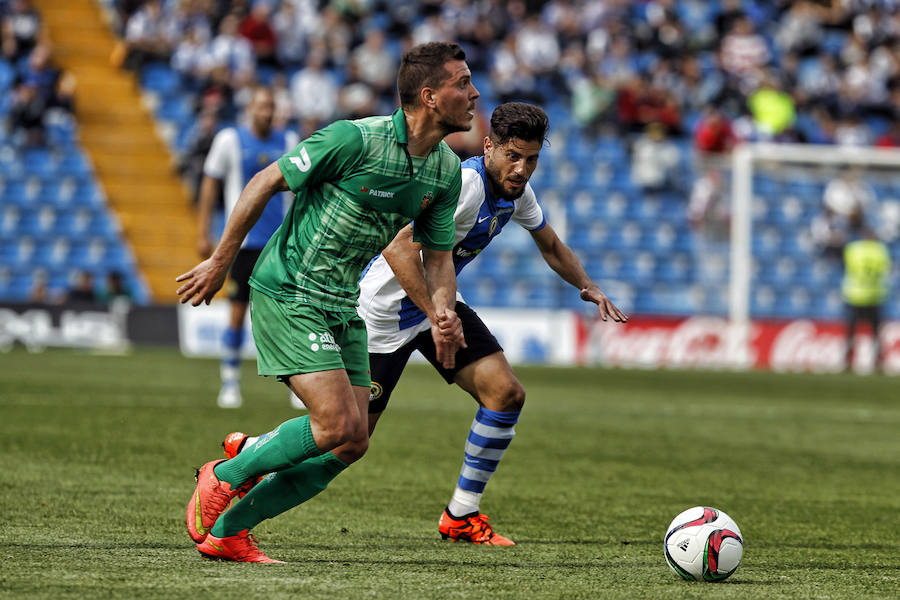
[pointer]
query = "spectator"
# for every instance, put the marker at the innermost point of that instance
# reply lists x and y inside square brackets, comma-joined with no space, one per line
[116,290]
[231,55]
[20,30]
[257,30]
[314,92]
[654,159]
[891,137]
[772,109]
[713,134]
[373,64]
[146,37]
[708,212]
[288,24]
[199,141]
[82,290]
[56,88]
[744,52]
[191,59]
[26,115]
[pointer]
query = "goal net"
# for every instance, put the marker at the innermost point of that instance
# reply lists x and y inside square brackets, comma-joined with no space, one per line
[792,208]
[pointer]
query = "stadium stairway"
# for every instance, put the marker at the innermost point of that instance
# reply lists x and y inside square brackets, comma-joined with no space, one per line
[133,165]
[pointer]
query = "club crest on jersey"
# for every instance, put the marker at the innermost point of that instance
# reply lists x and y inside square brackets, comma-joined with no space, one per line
[426,199]
[493,227]
[262,159]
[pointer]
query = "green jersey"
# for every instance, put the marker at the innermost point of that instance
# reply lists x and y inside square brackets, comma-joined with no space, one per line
[355,186]
[867,265]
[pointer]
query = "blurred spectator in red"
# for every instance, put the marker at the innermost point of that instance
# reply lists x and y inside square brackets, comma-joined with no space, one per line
[639,104]
[20,30]
[713,133]
[891,137]
[257,30]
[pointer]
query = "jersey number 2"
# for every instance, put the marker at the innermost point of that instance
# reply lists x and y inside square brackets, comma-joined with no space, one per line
[302,162]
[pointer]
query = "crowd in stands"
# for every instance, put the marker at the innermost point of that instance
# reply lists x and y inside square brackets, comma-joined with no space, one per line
[38,87]
[657,76]
[804,70]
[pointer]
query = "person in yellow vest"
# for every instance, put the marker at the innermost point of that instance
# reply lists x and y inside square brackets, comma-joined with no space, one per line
[867,265]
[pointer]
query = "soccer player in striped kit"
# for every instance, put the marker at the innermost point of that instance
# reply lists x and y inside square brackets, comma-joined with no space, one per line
[399,315]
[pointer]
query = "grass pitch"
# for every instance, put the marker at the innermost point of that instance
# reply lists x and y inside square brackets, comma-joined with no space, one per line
[97,456]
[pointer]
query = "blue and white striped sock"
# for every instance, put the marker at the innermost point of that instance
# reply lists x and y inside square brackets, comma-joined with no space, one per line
[489,436]
[232,340]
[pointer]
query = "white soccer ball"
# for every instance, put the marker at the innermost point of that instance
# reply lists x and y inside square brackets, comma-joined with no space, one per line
[703,544]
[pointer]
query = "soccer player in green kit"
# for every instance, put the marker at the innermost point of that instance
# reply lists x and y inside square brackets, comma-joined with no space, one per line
[355,185]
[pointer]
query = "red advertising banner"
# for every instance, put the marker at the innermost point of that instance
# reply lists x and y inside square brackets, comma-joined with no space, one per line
[712,343]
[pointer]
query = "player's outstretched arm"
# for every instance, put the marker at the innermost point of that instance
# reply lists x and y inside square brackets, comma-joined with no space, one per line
[562,260]
[202,282]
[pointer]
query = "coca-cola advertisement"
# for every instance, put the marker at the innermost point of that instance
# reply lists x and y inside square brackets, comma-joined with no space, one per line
[714,343]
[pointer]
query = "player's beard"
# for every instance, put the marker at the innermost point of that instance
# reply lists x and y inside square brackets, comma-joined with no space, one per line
[497,187]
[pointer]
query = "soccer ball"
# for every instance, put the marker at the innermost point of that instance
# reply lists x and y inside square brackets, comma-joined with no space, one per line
[703,544]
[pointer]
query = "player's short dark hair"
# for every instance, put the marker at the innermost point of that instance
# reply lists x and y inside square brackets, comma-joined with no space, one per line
[520,120]
[423,66]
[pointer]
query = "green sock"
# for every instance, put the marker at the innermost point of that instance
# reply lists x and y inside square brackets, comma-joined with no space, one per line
[279,492]
[287,445]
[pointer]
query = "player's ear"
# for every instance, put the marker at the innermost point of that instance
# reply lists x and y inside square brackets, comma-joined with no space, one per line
[427,97]
[488,144]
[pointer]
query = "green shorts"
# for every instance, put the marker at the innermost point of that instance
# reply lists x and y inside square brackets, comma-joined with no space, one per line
[294,338]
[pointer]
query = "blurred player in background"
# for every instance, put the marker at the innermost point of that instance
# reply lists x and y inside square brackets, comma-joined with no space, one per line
[867,266]
[236,155]
[355,185]
[399,314]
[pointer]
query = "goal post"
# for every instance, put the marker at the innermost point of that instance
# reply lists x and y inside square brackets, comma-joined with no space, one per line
[747,161]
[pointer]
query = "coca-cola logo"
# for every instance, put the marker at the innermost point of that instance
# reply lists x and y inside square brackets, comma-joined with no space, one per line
[713,343]
[708,342]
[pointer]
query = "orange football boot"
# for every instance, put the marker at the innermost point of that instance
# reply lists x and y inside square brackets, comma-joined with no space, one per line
[209,500]
[239,548]
[473,527]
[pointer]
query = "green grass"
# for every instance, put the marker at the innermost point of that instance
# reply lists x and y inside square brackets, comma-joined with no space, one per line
[97,456]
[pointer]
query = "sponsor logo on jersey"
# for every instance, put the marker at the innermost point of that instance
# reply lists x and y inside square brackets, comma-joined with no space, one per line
[377,193]
[465,252]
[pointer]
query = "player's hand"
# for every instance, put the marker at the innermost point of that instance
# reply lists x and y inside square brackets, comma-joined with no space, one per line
[605,307]
[202,282]
[204,246]
[447,333]
[450,328]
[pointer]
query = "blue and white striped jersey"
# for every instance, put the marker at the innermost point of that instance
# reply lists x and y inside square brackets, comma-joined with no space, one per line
[236,155]
[392,319]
